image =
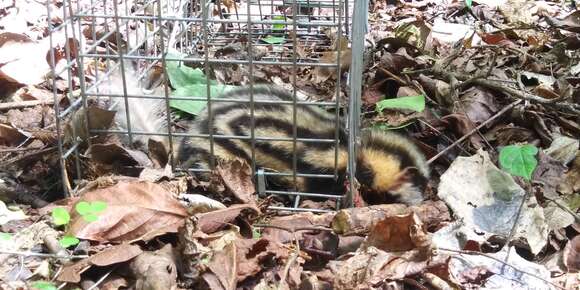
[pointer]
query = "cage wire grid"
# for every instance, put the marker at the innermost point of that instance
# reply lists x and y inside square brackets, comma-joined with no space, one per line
[109,35]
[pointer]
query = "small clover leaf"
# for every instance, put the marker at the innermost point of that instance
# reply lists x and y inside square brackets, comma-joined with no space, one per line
[90,211]
[5,236]
[98,206]
[256,233]
[60,216]
[83,208]
[90,217]
[43,285]
[68,241]
[519,160]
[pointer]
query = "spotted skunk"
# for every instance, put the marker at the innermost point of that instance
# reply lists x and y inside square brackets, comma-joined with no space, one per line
[390,169]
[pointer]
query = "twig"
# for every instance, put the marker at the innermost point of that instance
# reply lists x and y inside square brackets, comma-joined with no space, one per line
[23,104]
[503,111]
[477,80]
[41,153]
[10,150]
[392,75]
[32,254]
[313,228]
[289,263]
[515,226]
[443,135]
[94,286]
[474,253]
[572,108]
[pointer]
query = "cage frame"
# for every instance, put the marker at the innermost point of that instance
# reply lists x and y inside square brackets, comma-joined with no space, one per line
[75,16]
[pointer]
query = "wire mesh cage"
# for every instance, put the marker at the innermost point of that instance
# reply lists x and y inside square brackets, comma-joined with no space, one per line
[186,55]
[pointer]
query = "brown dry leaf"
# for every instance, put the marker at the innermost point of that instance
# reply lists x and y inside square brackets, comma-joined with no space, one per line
[23,59]
[461,125]
[10,136]
[8,85]
[475,277]
[31,93]
[360,220]
[496,39]
[156,270]
[571,182]
[549,174]
[237,177]
[572,255]
[545,92]
[510,134]
[135,210]
[113,255]
[407,91]
[437,89]
[30,119]
[395,233]
[300,220]
[397,62]
[158,152]
[223,268]
[212,222]
[479,105]
[570,22]
[113,153]
[115,282]
[373,93]
[372,267]
[253,254]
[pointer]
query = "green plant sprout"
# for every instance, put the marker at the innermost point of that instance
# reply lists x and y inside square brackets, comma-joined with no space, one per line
[60,216]
[88,211]
[5,236]
[519,160]
[43,285]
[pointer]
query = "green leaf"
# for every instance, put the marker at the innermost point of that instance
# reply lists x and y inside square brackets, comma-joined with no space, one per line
[519,160]
[199,91]
[83,207]
[60,216]
[98,206]
[68,241]
[274,39]
[5,236]
[468,3]
[181,75]
[256,233]
[278,26]
[415,103]
[90,217]
[43,285]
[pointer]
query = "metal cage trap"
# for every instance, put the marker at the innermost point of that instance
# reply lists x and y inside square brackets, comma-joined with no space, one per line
[230,41]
